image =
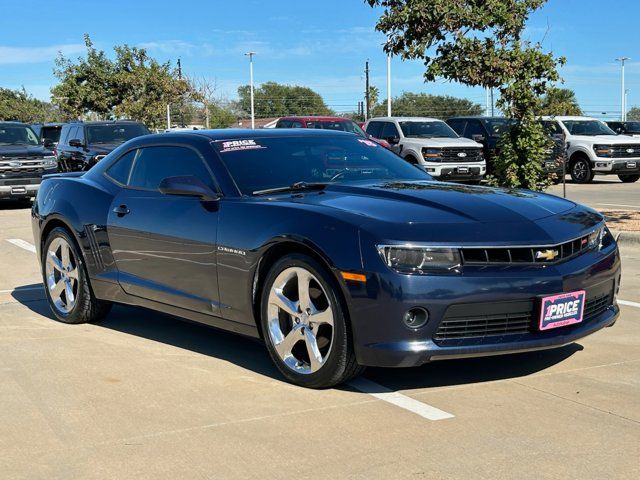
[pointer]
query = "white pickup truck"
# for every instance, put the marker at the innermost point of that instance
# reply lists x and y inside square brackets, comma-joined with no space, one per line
[594,149]
[433,145]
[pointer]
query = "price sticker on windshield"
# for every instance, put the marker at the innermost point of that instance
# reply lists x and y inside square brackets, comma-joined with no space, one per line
[368,142]
[239,145]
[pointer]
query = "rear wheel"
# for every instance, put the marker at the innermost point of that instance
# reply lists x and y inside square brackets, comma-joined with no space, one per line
[304,326]
[581,171]
[66,284]
[629,178]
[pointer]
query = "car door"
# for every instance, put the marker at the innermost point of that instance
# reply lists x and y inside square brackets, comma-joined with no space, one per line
[164,246]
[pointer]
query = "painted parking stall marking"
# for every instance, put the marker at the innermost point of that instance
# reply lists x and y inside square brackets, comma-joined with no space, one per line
[399,400]
[18,242]
[629,304]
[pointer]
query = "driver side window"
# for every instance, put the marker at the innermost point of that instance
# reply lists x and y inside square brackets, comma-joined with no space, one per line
[390,131]
[154,164]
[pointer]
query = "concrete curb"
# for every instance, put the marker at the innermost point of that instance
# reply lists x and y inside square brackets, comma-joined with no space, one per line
[627,238]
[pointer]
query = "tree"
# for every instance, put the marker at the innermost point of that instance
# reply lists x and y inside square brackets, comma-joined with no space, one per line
[560,101]
[374,94]
[424,105]
[478,43]
[273,99]
[19,105]
[134,85]
[633,115]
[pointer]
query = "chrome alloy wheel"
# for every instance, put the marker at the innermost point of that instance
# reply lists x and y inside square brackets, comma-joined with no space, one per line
[300,320]
[61,270]
[580,170]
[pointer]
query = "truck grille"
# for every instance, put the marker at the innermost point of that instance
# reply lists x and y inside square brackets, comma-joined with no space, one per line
[21,165]
[525,255]
[457,155]
[626,151]
[518,318]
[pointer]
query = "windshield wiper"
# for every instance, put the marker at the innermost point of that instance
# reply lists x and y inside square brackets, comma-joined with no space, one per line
[292,188]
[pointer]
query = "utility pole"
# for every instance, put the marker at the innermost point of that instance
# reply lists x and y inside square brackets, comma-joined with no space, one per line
[623,107]
[180,78]
[492,102]
[486,103]
[253,114]
[366,91]
[388,84]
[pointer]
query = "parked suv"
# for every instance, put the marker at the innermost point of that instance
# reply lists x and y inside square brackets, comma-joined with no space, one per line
[328,123]
[433,145]
[48,133]
[23,161]
[625,128]
[593,148]
[488,130]
[83,144]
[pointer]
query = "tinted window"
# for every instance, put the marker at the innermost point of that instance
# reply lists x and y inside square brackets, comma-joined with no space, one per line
[552,128]
[73,135]
[80,134]
[457,125]
[296,124]
[263,163]
[374,129]
[389,130]
[64,136]
[587,127]
[17,135]
[283,124]
[154,164]
[474,127]
[342,125]
[50,133]
[632,127]
[114,133]
[119,171]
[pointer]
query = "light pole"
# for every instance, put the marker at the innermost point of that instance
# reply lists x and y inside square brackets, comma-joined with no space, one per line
[388,85]
[623,109]
[253,115]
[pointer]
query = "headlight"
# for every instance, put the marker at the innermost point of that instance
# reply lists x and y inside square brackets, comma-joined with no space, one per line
[595,238]
[49,161]
[603,150]
[432,153]
[410,259]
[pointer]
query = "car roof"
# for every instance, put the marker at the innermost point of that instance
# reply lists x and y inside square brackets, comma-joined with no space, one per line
[247,133]
[13,122]
[478,117]
[568,117]
[405,119]
[100,122]
[317,118]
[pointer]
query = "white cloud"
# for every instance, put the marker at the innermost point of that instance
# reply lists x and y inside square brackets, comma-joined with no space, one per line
[21,55]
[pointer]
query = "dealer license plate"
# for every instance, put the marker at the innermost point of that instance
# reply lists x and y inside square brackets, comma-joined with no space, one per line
[562,310]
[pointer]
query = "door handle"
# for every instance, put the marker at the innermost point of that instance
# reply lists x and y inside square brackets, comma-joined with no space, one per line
[121,211]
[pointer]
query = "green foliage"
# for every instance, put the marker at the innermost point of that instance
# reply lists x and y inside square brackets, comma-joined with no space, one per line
[424,105]
[273,99]
[633,115]
[374,94]
[134,85]
[478,43]
[19,105]
[560,101]
[220,117]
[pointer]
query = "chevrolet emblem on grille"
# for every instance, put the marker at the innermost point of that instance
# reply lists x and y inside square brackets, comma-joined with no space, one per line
[462,154]
[548,255]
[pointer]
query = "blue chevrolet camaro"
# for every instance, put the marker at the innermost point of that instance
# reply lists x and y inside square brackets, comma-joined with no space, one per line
[333,250]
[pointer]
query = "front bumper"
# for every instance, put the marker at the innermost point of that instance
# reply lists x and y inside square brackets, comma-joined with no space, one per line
[381,339]
[629,166]
[456,172]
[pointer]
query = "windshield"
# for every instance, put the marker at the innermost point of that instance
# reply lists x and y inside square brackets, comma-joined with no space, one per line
[496,127]
[116,133]
[632,127]
[587,127]
[51,133]
[17,135]
[342,125]
[427,129]
[264,163]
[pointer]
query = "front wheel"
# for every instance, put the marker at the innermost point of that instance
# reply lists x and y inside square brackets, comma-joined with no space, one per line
[66,284]
[304,325]
[629,178]
[581,171]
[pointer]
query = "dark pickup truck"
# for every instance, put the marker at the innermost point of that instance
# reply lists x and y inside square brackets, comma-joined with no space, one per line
[23,161]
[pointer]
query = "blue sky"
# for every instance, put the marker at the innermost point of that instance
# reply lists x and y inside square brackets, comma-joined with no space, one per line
[321,44]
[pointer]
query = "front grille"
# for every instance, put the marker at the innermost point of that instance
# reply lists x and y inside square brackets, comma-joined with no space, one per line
[525,255]
[475,321]
[626,151]
[30,164]
[457,155]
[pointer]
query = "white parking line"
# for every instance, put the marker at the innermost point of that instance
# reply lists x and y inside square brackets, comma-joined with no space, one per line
[617,205]
[22,244]
[629,304]
[22,289]
[399,400]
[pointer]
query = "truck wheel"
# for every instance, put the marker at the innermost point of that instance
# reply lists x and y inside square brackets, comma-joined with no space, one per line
[411,159]
[581,171]
[629,178]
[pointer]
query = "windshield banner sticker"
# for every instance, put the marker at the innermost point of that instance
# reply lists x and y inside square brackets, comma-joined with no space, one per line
[237,145]
[368,142]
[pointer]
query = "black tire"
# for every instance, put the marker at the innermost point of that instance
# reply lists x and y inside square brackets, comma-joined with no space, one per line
[340,365]
[581,171]
[629,178]
[87,308]
[411,159]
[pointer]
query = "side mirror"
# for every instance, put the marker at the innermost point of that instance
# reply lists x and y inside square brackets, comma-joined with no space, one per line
[188,186]
[477,138]
[393,140]
[48,143]
[75,143]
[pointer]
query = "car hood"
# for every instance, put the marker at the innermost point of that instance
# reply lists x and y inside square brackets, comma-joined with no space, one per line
[443,142]
[452,213]
[605,139]
[13,151]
